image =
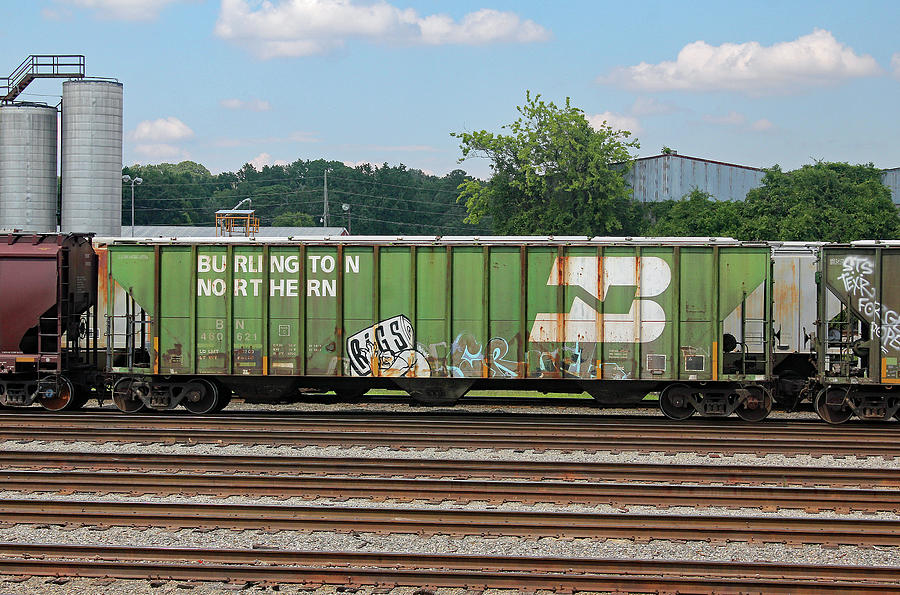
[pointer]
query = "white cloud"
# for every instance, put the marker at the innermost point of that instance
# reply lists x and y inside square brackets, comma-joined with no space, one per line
[650,106]
[738,120]
[355,164]
[264,159]
[160,152]
[253,105]
[56,14]
[616,122]
[305,27]
[479,28]
[162,130]
[814,59]
[895,65]
[731,119]
[125,10]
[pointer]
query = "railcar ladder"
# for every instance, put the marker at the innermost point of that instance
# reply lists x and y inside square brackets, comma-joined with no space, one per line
[50,328]
[753,337]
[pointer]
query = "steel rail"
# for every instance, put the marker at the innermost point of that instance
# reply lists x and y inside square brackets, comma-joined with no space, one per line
[430,421]
[611,441]
[545,426]
[531,581]
[462,491]
[458,468]
[442,569]
[828,531]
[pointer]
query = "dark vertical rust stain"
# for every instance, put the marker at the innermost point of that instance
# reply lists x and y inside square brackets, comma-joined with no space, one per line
[598,349]
[562,266]
[636,304]
[486,310]
[339,311]
[522,364]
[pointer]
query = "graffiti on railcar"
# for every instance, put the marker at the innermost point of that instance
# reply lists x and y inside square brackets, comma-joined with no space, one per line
[469,357]
[858,278]
[390,346]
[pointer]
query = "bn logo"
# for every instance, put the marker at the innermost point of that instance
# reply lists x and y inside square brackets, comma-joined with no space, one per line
[645,320]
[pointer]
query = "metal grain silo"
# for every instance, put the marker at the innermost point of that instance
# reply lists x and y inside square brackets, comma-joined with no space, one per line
[92,157]
[28,167]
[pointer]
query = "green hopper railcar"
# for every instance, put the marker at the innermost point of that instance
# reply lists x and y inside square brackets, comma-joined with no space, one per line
[858,348]
[192,320]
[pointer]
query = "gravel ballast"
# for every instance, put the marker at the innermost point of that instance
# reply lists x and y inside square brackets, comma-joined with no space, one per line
[475,545]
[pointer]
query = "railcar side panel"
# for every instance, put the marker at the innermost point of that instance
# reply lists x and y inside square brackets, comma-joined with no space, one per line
[861,344]
[481,311]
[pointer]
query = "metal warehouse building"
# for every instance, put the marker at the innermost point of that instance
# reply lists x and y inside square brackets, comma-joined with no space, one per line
[671,176]
[891,179]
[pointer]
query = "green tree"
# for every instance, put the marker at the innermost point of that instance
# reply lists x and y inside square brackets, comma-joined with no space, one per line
[698,214]
[293,219]
[553,174]
[832,202]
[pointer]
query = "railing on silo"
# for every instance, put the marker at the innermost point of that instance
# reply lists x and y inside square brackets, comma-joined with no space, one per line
[40,66]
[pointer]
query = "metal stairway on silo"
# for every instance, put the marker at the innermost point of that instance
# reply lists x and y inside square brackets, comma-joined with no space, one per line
[40,66]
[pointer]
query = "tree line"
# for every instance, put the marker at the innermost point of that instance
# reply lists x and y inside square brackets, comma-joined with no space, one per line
[380,200]
[552,173]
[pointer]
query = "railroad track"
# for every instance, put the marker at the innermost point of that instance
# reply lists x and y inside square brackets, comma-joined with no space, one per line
[410,569]
[576,433]
[461,491]
[640,527]
[457,469]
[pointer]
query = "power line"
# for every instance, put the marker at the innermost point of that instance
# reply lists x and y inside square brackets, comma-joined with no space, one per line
[424,202]
[228,198]
[223,199]
[378,208]
[365,180]
[204,208]
[422,188]
[224,182]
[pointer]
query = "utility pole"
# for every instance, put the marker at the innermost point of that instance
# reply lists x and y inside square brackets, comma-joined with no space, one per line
[325,213]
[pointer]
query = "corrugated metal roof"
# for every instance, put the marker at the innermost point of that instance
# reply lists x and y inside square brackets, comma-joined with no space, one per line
[176,231]
[700,159]
[439,240]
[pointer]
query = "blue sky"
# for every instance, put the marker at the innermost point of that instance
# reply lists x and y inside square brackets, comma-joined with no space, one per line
[226,82]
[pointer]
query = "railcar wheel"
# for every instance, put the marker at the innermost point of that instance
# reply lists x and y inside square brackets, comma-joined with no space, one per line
[757,407]
[57,394]
[125,395]
[201,396]
[833,413]
[674,402]
[224,398]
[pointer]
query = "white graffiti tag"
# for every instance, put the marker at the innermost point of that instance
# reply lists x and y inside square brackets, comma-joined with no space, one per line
[645,320]
[387,349]
[856,275]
